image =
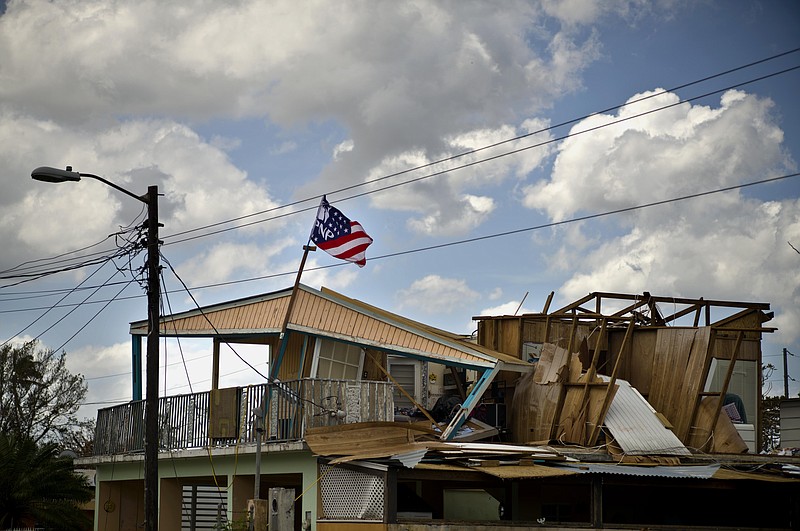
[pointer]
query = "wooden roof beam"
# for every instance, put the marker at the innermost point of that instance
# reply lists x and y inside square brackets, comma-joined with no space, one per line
[575,304]
[676,300]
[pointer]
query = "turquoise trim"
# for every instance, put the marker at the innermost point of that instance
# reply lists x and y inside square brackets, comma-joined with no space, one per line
[470,402]
[136,367]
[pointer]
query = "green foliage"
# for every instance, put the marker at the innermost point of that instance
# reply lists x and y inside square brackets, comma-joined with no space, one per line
[238,524]
[39,488]
[771,422]
[770,414]
[39,397]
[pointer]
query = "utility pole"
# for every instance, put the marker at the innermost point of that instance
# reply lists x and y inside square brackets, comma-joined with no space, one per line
[55,175]
[785,373]
[153,336]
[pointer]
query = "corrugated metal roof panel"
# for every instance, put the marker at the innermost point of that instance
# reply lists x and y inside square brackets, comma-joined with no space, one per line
[636,428]
[696,472]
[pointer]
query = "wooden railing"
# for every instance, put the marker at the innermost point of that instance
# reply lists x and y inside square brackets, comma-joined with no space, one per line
[230,416]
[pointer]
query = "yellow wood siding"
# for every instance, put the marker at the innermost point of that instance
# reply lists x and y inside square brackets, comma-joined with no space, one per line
[314,312]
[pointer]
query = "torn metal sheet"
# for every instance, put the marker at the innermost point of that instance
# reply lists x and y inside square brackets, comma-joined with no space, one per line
[636,427]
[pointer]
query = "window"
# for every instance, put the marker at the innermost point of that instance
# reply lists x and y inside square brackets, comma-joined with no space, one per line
[335,360]
[203,507]
[406,373]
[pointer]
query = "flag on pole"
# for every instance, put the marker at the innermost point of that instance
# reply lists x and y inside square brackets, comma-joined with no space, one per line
[335,234]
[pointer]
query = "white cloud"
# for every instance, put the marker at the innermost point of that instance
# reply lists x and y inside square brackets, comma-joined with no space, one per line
[441,199]
[342,147]
[283,148]
[107,371]
[435,294]
[720,246]
[241,59]
[469,213]
[573,11]
[392,76]
[682,150]
[227,260]
[198,183]
[506,308]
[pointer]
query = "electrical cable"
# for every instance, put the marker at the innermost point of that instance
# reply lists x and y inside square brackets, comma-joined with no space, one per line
[100,255]
[197,305]
[474,239]
[483,160]
[496,144]
[21,264]
[178,339]
[91,319]
[73,290]
[75,307]
[128,249]
[583,218]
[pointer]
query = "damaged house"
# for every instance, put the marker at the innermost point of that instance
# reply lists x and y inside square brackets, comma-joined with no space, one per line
[606,413]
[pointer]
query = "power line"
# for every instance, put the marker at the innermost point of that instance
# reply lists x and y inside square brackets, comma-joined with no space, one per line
[473,163]
[490,146]
[483,148]
[164,292]
[130,245]
[191,295]
[128,249]
[20,266]
[92,318]
[53,306]
[454,243]
[494,157]
[477,238]
[480,161]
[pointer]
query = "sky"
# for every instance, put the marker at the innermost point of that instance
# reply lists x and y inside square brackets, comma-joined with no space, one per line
[494,151]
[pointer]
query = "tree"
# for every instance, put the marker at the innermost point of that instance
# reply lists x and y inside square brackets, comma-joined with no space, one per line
[38,488]
[770,412]
[39,397]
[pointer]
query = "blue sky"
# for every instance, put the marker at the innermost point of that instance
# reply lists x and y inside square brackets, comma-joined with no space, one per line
[235,108]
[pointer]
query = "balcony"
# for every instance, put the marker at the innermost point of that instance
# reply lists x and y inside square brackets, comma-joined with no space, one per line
[227,416]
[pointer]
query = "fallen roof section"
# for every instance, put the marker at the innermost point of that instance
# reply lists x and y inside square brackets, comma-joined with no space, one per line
[636,427]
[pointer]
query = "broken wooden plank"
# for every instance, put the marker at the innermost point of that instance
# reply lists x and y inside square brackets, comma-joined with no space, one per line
[722,437]
[598,421]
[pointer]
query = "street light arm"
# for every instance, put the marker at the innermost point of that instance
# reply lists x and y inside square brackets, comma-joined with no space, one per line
[56,175]
[142,198]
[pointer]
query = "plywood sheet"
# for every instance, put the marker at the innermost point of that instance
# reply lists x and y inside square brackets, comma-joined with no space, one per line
[223,417]
[716,437]
[637,363]
[677,377]
[536,397]
[368,438]
[526,471]
[582,410]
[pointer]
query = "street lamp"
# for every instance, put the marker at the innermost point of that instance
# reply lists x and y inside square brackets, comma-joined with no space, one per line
[55,175]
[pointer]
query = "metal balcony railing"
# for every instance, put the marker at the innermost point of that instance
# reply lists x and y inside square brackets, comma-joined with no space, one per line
[230,416]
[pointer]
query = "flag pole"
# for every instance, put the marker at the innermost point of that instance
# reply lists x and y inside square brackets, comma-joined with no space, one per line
[273,370]
[306,249]
[283,337]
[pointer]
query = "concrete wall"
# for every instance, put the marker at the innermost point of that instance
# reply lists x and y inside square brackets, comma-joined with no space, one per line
[790,423]
[120,486]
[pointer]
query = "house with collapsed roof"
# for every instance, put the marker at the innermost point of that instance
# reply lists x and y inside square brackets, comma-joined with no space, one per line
[606,413]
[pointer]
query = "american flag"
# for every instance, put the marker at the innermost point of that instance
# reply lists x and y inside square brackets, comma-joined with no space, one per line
[334,233]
